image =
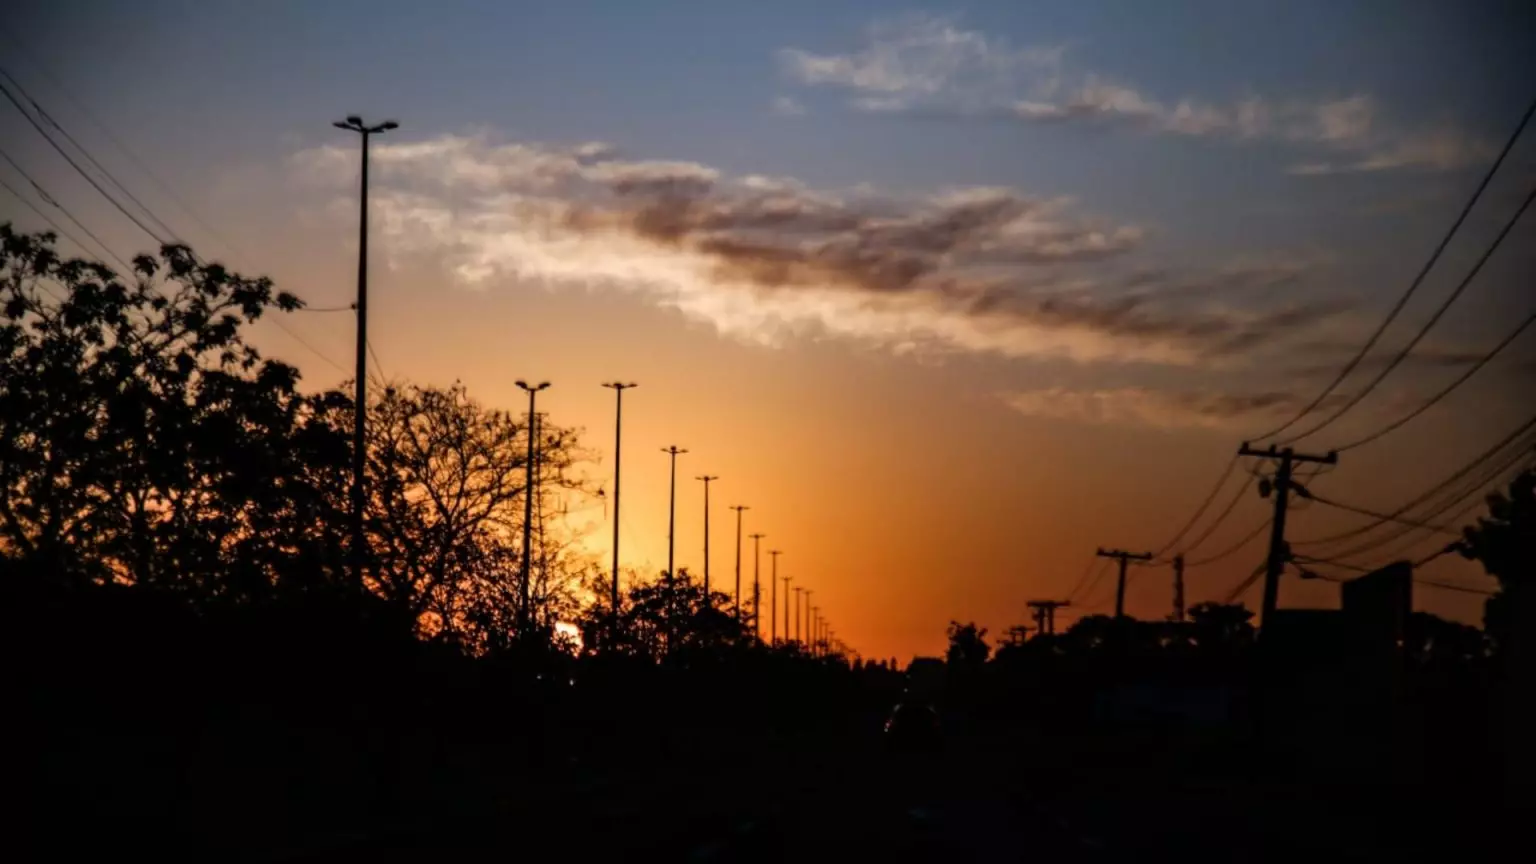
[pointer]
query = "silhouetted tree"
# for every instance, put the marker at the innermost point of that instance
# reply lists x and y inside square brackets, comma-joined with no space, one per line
[1221,627]
[448,479]
[143,442]
[968,647]
[1504,542]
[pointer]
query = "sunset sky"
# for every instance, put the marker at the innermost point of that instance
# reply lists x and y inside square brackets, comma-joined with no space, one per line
[948,295]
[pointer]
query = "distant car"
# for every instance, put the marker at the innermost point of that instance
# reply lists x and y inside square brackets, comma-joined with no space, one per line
[913,727]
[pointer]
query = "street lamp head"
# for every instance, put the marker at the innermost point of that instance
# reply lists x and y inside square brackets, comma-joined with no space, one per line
[354,120]
[388,125]
[521,383]
[543,384]
[347,126]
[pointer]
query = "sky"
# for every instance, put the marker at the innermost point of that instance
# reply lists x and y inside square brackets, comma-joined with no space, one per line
[949,295]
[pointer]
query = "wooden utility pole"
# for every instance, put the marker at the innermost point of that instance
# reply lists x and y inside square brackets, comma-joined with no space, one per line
[1280,487]
[1045,614]
[1122,556]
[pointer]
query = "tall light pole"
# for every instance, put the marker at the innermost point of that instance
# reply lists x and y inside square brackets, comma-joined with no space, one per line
[674,452]
[618,388]
[773,597]
[757,591]
[787,637]
[811,639]
[707,478]
[354,123]
[525,616]
[738,508]
[797,589]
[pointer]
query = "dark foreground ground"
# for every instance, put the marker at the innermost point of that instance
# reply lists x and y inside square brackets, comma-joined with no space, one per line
[156,743]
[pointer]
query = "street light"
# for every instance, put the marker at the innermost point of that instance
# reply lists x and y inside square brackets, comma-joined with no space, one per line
[674,451]
[355,123]
[618,388]
[528,492]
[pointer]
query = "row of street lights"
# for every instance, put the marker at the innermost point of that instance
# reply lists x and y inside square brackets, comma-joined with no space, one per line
[814,622]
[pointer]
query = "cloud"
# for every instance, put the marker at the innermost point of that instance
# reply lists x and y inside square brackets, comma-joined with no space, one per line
[980,269]
[788,106]
[1160,409]
[931,66]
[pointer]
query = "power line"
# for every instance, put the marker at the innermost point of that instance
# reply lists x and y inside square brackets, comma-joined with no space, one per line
[1402,355]
[89,158]
[1200,511]
[1232,549]
[48,219]
[1478,485]
[1455,476]
[139,163]
[1363,511]
[1226,512]
[76,165]
[1434,400]
[47,198]
[1413,287]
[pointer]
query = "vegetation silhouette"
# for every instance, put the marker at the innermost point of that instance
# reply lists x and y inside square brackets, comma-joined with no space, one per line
[201,673]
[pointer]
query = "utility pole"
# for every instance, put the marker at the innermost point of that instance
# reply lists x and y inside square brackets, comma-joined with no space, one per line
[531,470]
[757,592]
[1178,589]
[810,639]
[1045,614]
[1123,557]
[1279,552]
[797,592]
[618,388]
[354,123]
[707,478]
[738,508]
[788,638]
[814,614]
[674,452]
[773,597]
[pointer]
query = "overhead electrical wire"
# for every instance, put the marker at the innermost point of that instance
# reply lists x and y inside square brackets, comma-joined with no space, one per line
[1435,399]
[49,199]
[1359,395]
[79,170]
[1364,511]
[119,206]
[102,169]
[1413,287]
[1432,491]
[164,187]
[1231,549]
[54,225]
[1200,511]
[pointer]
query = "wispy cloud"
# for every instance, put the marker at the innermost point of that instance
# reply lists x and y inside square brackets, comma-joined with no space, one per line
[985,270]
[788,106]
[931,65]
[1161,409]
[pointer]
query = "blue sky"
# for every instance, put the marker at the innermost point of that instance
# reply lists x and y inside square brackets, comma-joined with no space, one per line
[1225,164]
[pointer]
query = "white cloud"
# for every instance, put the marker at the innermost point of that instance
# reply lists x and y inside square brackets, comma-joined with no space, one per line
[931,65]
[788,106]
[982,270]
[1162,409]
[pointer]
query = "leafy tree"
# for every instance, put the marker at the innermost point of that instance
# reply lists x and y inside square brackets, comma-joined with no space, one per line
[1504,542]
[1221,627]
[968,646]
[448,478]
[143,442]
